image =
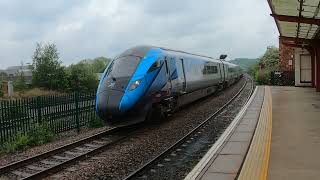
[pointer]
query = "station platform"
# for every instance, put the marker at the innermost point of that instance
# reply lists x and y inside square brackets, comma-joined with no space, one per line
[276,135]
[295,144]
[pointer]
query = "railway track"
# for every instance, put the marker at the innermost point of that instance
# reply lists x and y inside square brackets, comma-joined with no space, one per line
[50,162]
[54,161]
[170,153]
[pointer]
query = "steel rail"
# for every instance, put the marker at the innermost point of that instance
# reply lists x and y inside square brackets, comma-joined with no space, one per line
[50,170]
[181,140]
[57,168]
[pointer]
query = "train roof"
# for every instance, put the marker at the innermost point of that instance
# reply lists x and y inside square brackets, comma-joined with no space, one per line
[192,55]
[141,51]
[184,52]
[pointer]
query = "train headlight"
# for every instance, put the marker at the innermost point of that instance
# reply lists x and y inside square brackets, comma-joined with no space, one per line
[134,85]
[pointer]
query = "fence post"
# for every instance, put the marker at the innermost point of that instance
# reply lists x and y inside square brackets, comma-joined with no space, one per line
[77,111]
[38,104]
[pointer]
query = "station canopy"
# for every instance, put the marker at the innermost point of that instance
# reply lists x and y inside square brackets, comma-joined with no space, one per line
[297,20]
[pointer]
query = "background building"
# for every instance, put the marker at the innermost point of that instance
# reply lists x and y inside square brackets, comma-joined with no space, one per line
[298,24]
[13,73]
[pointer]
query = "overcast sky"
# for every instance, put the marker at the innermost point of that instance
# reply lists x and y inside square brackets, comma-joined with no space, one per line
[87,29]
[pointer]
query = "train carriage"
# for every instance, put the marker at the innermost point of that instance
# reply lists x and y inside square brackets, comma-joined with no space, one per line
[145,80]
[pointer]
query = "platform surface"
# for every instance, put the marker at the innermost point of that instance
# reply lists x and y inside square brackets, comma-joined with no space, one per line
[295,144]
[224,161]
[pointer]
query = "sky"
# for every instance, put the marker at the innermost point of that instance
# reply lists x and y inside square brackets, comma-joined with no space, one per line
[90,28]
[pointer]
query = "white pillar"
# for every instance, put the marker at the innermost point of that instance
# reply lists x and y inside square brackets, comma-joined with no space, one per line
[10,88]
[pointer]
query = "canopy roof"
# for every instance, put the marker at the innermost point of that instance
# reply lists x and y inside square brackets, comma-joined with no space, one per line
[297,20]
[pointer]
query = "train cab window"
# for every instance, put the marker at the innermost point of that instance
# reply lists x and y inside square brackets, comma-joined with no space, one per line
[123,66]
[155,66]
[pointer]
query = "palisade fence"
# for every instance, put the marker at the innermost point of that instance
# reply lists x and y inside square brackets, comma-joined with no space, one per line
[282,78]
[60,112]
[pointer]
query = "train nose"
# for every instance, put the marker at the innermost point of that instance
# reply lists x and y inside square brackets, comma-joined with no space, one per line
[108,103]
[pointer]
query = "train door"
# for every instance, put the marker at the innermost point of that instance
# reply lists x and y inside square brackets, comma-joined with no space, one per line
[181,75]
[169,84]
[175,79]
[221,72]
[226,73]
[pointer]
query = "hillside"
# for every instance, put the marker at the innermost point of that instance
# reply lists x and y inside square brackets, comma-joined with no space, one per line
[245,63]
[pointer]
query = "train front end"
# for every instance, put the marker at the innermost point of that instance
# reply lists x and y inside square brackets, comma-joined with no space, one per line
[120,95]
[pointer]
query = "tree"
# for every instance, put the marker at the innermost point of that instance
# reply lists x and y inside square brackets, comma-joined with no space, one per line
[20,83]
[46,68]
[81,78]
[270,59]
[3,76]
[99,64]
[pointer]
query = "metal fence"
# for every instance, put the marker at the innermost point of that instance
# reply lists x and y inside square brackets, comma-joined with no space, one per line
[61,113]
[282,78]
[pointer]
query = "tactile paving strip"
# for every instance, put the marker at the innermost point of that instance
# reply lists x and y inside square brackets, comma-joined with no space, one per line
[257,159]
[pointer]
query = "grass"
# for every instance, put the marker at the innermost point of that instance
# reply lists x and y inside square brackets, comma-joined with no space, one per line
[32,93]
[36,92]
[40,135]
[96,123]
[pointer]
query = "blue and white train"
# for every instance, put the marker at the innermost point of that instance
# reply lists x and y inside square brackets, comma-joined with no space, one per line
[147,80]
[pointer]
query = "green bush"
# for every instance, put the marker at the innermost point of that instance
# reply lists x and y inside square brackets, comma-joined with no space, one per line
[40,135]
[1,93]
[267,63]
[20,83]
[96,123]
[81,78]
[8,147]
[262,78]
[19,142]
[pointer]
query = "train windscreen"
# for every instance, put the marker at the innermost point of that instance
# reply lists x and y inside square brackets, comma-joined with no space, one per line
[124,66]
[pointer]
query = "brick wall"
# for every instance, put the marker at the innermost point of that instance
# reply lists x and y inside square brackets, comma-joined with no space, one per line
[4,87]
[286,57]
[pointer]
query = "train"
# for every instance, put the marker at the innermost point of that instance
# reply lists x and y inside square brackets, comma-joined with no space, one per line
[147,82]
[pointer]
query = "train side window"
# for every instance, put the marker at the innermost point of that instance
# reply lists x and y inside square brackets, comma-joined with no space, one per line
[214,69]
[210,70]
[205,70]
[154,66]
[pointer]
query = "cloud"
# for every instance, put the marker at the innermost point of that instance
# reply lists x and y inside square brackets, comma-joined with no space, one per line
[87,29]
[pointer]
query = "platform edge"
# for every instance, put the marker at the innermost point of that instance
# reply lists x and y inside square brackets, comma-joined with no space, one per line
[213,151]
[256,163]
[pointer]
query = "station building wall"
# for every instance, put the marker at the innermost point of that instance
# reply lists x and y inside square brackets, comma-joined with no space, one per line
[286,57]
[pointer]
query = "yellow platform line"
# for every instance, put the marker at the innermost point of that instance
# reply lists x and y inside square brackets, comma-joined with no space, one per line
[257,160]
